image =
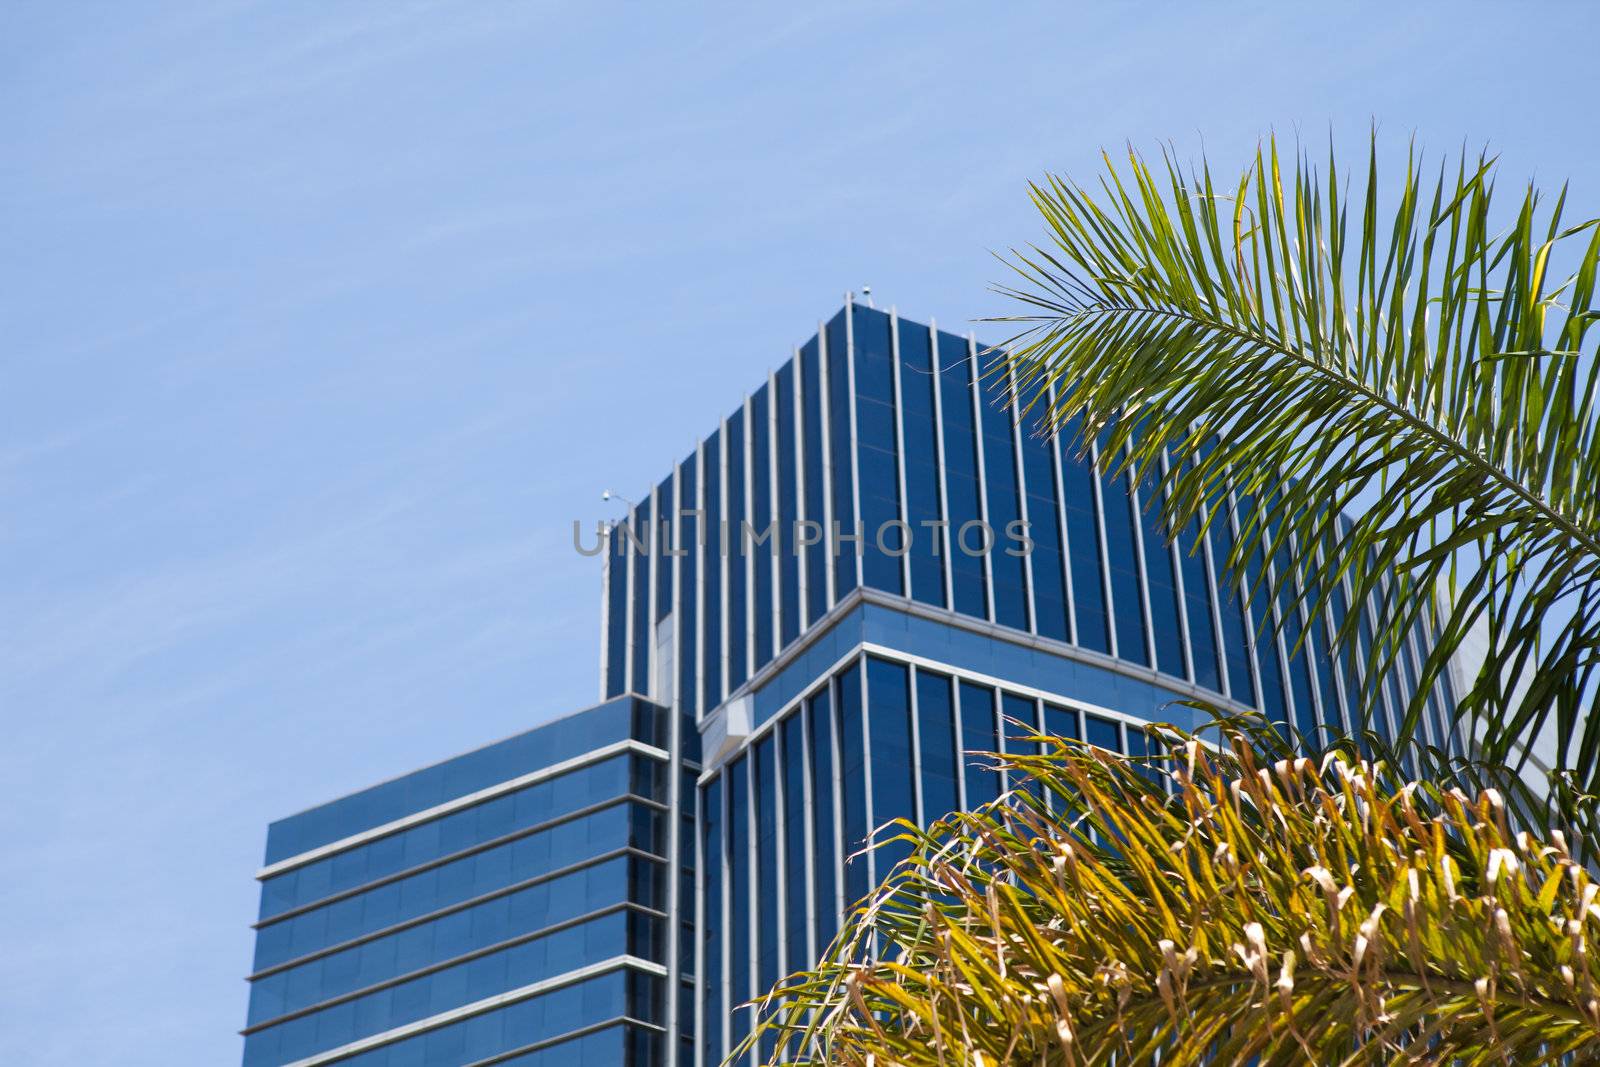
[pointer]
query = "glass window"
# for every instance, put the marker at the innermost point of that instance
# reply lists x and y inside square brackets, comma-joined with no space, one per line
[687,541]
[1083,544]
[761,517]
[1161,579]
[844,509]
[937,740]
[824,824]
[711,562]
[893,787]
[489,1034]
[923,491]
[733,549]
[979,736]
[877,450]
[739,989]
[768,954]
[1305,712]
[852,783]
[796,876]
[956,395]
[617,613]
[1000,479]
[1102,732]
[1235,627]
[1274,697]
[1127,610]
[788,506]
[1198,594]
[816,555]
[641,596]
[1020,718]
[712,1009]
[442,886]
[1319,637]
[1044,525]
[435,839]
[519,964]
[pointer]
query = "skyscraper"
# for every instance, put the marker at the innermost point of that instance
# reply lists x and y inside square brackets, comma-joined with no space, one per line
[871,570]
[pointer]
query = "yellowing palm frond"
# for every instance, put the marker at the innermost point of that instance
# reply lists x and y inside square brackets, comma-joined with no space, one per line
[1220,908]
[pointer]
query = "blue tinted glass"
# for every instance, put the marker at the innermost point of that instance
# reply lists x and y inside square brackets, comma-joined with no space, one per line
[687,542]
[1354,657]
[1101,732]
[761,517]
[526,1022]
[464,828]
[1141,748]
[712,1010]
[712,559]
[852,783]
[979,736]
[816,555]
[1319,637]
[1274,698]
[956,398]
[1127,609]
[1305,713]
[893,790]
[1083,544]
[737,556]
[798,953]
[1198,597]
[936,729]
[1061,722]
[824,822]
[1161,580]
[1235,627]
[768,954]
[1020,721]
[517,862]
[787,508]
[738,779]
[918,386]
[641,597]
[517,965]
[1000,479]
[844,509]
[1044,525]
[617,614]
[877,451]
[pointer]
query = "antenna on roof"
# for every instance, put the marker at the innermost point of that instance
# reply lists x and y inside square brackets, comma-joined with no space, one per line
[866,291]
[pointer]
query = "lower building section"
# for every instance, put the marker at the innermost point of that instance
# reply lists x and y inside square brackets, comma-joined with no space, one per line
[511,905]
[883,735]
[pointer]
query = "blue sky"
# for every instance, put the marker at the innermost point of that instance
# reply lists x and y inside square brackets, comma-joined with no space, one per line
[319,323]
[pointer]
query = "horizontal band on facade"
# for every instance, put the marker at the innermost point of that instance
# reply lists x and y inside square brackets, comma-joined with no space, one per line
[452,857]
[489,793]
[465,957]
[471,902]
[478,1007]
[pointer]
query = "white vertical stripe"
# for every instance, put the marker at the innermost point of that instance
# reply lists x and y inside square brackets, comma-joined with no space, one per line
[975,389]
[942,532]
[899,400]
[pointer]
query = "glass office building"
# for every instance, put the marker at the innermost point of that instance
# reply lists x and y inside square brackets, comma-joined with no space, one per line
[871,570]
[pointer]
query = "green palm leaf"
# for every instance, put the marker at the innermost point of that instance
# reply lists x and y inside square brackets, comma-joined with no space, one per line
[1416,366]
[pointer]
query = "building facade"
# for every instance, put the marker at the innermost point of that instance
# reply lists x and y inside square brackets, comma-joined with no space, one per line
[870,571]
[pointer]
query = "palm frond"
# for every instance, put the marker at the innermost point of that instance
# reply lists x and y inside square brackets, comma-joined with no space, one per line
[1418,368]
[1214,907]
